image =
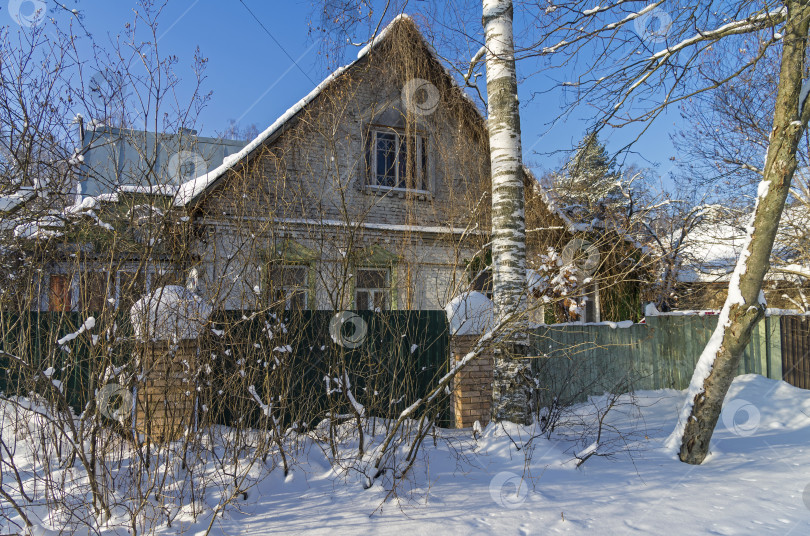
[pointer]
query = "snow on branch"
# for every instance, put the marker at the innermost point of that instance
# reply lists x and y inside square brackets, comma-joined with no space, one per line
[473,62]
[88,324]
[750,24]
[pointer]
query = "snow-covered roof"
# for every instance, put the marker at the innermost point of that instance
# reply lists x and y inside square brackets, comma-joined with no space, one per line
[9,202]
[192,189]
[710,252]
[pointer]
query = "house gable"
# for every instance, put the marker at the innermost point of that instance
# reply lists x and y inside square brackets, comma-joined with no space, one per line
[316,160]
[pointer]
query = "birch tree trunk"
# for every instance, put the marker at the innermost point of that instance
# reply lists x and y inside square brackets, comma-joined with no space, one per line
[511,392]
[744,306]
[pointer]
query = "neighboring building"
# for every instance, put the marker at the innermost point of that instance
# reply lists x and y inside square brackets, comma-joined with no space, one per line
[125,160]
[710,252]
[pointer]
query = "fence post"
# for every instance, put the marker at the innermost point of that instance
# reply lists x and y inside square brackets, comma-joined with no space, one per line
[165,403]
[167,324]
[472,386]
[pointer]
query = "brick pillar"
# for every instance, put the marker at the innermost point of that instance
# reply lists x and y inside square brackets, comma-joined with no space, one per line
[166,398]
[472,386]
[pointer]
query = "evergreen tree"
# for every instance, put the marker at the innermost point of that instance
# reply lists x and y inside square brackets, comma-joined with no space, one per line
[589,186]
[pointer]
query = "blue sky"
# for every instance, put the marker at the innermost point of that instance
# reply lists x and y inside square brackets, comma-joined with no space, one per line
[254,81]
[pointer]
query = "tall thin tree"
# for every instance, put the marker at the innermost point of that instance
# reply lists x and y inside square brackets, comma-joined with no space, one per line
[510,392]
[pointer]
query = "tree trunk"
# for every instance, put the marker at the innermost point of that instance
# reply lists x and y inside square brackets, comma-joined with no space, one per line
[745,306]
[510,388]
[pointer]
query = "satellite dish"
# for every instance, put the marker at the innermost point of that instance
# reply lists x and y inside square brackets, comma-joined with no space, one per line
[583,255]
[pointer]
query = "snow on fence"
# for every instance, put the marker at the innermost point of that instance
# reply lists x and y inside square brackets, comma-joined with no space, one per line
[578,360]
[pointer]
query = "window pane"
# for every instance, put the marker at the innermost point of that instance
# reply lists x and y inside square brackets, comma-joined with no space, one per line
[297,301]
[379,301]
[386,159]
[361,299]
[288,285]
[371,279]
[371,289]
[398,161]
[59,293]
[482,282]
[405,162]
[295,276]
[422,183]
[289,276]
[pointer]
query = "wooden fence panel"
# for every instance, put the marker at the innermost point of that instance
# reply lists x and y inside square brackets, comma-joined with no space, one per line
[795,341]
[576,361]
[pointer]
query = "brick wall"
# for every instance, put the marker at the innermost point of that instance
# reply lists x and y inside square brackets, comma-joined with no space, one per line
[472,387]
[165,403]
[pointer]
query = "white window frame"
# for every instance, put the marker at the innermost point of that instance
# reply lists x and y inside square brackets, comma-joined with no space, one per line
[422,156]
[385,291]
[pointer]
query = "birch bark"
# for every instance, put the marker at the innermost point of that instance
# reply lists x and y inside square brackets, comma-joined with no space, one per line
[511,393]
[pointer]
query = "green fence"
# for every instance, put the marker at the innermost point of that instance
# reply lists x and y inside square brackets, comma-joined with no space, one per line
[33,337]
[398,359]
[575,361]
[392,359]
[397,356]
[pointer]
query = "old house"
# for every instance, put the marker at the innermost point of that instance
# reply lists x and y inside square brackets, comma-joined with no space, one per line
[371,193]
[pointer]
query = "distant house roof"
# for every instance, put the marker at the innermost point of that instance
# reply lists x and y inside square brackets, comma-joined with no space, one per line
[711,250]
[117,159]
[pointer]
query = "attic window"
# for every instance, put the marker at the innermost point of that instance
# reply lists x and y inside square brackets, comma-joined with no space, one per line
[397,160]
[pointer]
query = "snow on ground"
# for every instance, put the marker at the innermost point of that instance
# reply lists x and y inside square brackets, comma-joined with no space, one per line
[755,481]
